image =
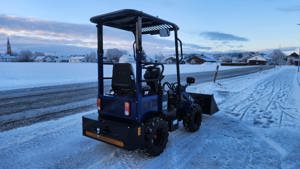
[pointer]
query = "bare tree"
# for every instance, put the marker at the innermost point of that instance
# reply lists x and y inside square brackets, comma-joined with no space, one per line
[91,57]
[226,59]
[25,56]
[159,57]
[113,55]
[278,57]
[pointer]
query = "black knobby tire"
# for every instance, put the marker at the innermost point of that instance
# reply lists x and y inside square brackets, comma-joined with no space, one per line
[192,119]
[156,136]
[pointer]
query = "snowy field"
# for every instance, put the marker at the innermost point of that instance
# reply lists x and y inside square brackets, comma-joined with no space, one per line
[257,127]
[24,75]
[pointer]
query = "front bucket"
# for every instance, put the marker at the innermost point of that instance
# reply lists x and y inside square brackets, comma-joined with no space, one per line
[207,102]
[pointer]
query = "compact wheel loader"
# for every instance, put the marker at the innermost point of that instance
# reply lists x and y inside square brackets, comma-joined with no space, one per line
[141,108]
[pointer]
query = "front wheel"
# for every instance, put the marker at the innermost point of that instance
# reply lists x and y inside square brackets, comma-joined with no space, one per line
[192,120]
[156,136]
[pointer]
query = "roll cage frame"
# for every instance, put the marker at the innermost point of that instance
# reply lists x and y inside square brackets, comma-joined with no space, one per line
[138,23]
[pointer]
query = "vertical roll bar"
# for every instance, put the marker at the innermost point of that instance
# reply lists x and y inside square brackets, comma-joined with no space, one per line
[139,49]
[177,66]
[100,59]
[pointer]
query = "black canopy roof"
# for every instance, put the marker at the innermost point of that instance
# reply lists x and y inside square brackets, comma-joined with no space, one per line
[126,20]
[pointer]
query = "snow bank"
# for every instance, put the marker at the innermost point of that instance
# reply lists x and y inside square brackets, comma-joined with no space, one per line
[268,99]
[222,88]
[23,75]
[268,104]
[296,93]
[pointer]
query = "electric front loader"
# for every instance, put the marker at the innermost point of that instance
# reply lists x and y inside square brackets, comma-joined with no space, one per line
[141,108]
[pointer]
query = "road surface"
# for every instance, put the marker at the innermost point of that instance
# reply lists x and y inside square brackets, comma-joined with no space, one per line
[24,106]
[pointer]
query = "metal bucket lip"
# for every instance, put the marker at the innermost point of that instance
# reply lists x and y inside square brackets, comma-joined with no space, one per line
[206,101]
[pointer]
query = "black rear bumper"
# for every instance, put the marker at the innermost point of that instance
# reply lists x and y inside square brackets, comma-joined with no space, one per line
[122,134]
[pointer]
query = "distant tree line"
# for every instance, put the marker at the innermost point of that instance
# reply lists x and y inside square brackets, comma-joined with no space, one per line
[111,55]
[276,57]
[27,55]
[91,57]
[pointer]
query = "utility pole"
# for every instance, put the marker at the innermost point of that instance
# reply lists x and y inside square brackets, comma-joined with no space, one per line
[216,74]
[299,61]
[299,58]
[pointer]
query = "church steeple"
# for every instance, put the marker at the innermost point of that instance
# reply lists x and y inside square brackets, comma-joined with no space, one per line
[8,51]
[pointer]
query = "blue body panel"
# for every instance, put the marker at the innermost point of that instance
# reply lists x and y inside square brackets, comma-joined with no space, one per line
[149,104]
[114,106]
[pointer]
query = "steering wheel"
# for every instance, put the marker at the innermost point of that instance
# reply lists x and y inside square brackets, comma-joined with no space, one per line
[150,66]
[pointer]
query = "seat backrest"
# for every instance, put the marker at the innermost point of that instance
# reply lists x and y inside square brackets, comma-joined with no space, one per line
[123,81]
[152,77]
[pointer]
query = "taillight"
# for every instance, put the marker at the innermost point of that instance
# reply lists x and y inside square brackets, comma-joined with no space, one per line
[99,104]
[127,109]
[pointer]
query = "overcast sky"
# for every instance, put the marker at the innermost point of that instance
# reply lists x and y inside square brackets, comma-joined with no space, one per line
[205,25]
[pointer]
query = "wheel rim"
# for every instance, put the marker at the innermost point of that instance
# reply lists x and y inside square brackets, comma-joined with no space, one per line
[197,118]
[158,137]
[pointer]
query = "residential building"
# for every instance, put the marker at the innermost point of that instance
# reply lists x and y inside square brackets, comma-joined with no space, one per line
[170,60]
[77,59]
[257,60]
[44,59]
[293,59]
[198,59]
[8,58]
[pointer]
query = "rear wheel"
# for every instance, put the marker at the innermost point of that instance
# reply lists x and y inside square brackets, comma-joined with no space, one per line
[156,136]
[192,120]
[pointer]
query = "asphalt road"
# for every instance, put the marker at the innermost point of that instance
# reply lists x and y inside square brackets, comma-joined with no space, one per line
[25,106]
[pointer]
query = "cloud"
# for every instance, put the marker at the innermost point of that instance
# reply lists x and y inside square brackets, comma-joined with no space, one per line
[34,31]
[294,8]
[31,24]
[224,37]
[196,47]
[82,35]
[169,44]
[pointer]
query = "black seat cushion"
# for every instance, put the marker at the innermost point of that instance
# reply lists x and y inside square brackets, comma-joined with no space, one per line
[123,81]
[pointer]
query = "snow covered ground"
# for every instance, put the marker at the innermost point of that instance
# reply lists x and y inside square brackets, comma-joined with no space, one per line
[269,104]
[266,99]
[23,75]
[257,127]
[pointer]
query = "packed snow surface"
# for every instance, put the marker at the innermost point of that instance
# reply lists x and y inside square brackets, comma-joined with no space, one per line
[257,127]
[23,75]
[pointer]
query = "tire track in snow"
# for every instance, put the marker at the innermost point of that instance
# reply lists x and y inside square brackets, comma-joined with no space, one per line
[252,97]
[252,100]
[298,79]
[268,104]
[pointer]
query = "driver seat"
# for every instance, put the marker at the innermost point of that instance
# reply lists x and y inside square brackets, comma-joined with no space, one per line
[123,80]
